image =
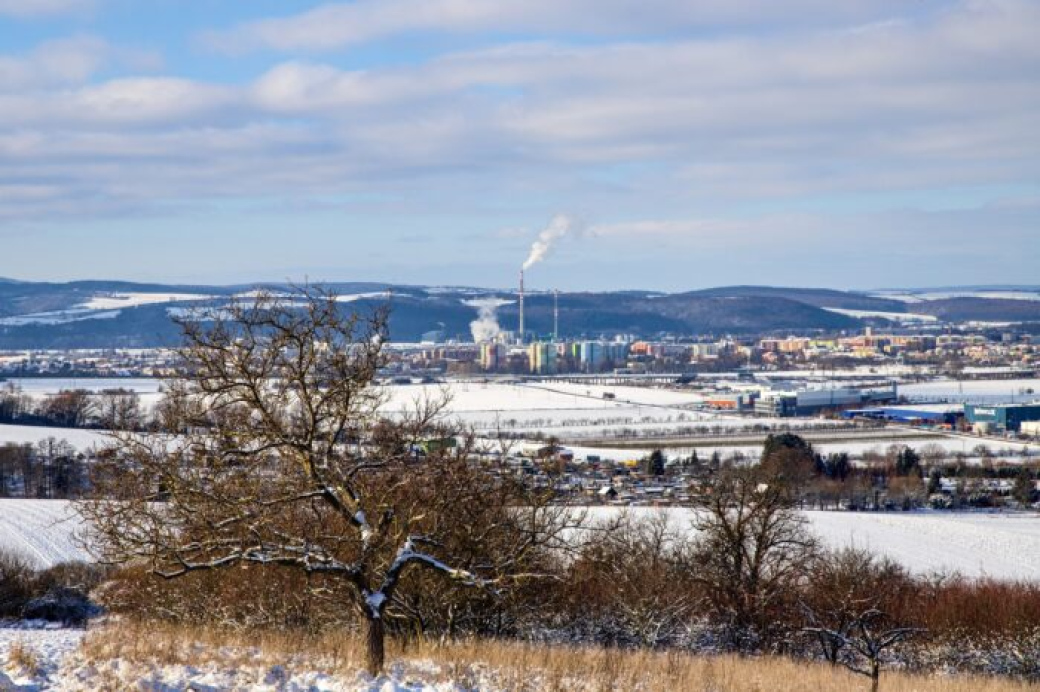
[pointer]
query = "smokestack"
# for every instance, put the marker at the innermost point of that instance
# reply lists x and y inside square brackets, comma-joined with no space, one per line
[556,315]
[522,339]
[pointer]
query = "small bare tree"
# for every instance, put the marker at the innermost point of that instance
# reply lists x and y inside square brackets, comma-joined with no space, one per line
[856,606]
[280,451]
[119,409]
[867,636]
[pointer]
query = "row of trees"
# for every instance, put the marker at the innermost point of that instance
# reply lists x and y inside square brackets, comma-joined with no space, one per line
[115,409]
[52,469]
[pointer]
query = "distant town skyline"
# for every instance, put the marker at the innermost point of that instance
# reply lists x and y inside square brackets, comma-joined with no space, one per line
[854,145]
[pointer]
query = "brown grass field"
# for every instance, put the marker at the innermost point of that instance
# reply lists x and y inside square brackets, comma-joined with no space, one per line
[508,666]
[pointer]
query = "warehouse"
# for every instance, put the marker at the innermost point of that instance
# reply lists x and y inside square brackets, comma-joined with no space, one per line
[910,416]
[1001,418]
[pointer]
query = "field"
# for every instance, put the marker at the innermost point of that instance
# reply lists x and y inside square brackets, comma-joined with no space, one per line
[573,411]
[973,544]
[43,532]
[1003,546]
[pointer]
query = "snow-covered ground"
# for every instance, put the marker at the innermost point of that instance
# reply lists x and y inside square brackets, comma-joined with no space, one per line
[43,532]
[902,317]
[115,301]
[917,297]
[62,666]
[998,545]
[42,386]
[1004,545]
[32,434]
[50,648]
[58,317]
[572,410]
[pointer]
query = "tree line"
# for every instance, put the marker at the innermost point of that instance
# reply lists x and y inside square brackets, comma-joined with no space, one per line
[110,409]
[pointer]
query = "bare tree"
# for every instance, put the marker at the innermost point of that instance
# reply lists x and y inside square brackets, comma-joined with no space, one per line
[282,452]
[119,409]
[867,635]
[70,408]
[753,550]
[857,607]
[845,583]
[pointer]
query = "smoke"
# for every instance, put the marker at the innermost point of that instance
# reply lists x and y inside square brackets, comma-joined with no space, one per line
[485,327]
[560,227]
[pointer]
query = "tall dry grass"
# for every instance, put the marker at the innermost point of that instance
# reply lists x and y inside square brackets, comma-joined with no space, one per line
[480,664]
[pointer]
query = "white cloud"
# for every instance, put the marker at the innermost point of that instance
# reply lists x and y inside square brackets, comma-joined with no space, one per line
[921,103]
[43,8]
[336,25]
[54,63]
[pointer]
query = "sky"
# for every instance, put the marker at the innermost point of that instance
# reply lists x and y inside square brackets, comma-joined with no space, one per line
[850,144]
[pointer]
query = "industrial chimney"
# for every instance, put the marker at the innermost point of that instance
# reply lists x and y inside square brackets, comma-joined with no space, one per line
[556,315]
[522,334]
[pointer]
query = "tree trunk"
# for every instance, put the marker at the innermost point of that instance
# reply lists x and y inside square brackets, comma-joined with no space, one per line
[374,653]
[875,675]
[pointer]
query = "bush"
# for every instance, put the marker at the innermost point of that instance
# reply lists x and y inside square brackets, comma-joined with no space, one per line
[59,594]
[16,584]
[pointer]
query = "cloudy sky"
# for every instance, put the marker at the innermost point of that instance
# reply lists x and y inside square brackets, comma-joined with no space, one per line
[843,143]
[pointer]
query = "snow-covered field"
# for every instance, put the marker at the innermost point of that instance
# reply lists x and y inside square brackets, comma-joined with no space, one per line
[998,545]
[917,297]
[31,434]
[42,386]
[901,317]
[43,532]
[1004,545]
[570,409]
[114,301]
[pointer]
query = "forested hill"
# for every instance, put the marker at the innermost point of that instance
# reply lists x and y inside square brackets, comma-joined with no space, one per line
[103,314]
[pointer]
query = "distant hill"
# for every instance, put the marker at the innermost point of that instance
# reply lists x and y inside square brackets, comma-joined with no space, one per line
[981,309]
[818,297]
[102,314]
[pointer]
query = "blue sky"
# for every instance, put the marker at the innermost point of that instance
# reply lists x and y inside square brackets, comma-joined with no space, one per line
[857,144]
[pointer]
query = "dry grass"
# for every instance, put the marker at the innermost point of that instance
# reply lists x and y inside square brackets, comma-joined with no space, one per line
[23,658]
[509,666]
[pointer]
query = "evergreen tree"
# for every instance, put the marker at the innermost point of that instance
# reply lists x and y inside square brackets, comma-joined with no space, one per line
[1024,490]
[653,465]
[907,462]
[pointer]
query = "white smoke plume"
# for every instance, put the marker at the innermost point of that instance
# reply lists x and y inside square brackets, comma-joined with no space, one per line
[560,227]
[485,327]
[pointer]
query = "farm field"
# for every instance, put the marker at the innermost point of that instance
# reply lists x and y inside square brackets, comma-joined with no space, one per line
[43,532]
[973,544]
[1004,450]
[31,434]
[571,410]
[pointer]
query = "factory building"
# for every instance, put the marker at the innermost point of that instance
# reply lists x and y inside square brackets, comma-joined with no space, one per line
[948,417]
[1002,417]
[807,402]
